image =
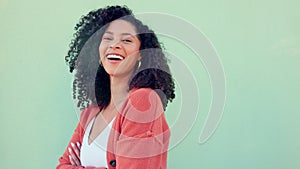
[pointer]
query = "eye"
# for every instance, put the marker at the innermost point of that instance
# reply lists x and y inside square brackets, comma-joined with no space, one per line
[127,40]
[107,38]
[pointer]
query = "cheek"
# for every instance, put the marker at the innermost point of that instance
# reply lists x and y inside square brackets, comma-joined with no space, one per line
[133,59]
[101,49]
[132,50]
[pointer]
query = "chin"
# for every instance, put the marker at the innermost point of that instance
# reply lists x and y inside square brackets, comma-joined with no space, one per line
[110,72]
[117,72]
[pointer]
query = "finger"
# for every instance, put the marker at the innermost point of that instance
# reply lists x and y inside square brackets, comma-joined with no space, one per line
[74,157]
[76,150]
[71,160]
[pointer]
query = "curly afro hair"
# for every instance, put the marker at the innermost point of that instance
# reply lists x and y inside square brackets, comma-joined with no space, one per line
[91,82]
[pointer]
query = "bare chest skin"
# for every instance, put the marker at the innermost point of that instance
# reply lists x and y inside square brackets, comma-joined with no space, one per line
[102,119]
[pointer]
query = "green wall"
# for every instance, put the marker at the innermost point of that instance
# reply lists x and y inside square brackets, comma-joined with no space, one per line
[257,43]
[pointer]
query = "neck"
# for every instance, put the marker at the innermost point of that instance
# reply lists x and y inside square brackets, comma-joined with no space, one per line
[119,89]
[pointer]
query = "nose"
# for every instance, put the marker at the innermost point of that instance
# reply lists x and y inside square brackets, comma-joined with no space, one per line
[115,44]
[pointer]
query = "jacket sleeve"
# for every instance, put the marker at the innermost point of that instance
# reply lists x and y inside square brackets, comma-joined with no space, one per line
[144,136]
[64,162]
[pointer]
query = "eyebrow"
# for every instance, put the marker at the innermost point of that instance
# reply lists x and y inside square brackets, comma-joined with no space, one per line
[108,32]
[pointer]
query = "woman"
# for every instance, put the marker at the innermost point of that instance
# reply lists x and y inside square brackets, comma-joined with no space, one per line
[123,85]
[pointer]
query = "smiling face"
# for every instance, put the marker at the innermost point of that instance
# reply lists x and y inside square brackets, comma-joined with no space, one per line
[119,48]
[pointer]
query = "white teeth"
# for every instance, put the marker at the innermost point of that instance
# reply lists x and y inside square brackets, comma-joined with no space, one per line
[115,57]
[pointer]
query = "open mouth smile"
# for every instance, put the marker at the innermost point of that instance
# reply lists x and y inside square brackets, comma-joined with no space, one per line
[115,57]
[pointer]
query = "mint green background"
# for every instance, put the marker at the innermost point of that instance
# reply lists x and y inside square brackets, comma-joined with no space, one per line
[258,44]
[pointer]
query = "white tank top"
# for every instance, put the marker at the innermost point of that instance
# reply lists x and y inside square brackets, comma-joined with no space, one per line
[94,155]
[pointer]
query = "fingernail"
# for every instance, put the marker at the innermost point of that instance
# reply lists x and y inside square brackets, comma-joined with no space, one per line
[78,144]
[70,150]
[72,144]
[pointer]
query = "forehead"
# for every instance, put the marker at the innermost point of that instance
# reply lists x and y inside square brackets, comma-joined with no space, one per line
[121,27]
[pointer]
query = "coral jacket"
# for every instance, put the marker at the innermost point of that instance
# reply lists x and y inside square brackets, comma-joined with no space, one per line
[139,137]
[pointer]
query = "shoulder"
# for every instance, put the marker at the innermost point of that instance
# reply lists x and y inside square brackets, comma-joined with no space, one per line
[142,106]
[144,98]
[140,91]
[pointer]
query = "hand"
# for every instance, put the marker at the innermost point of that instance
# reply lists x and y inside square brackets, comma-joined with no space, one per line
[74,156]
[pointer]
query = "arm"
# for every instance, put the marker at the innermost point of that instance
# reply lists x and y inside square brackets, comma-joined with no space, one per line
[144,138]
[64,160]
